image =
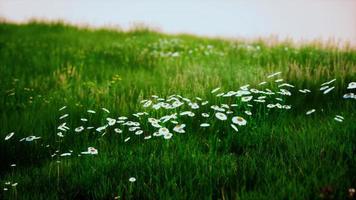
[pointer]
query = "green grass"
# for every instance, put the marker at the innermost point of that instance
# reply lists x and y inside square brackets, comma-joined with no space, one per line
[280,154]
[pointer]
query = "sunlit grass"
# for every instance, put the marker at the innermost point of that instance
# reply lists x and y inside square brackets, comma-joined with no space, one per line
[58,78]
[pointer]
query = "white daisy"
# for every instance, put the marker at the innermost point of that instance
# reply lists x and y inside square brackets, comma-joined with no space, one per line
[127,139]
[310,111]
[147,104]
[245,87]
[131,123]
[31,138]
[328,90]
[324,88]
[204,103]
[194,106]
[205,114]
[239,121]
[168,136]
[64,107]
[338,119]
[262,83]
[253,90]
[351,85]
[225,106]
[142,113]
[166,118]
[134,128]
[349,96]
[285,92]
[269,92]
[122,118]
[177,104]
[179,128]
[60,134]
[101,128]
[186,99]
[242,93]
[91,111]
[287,107]
[117,130]
[286,85]
[175,54]
[259,100]
[248,112]
[63,116]
[65,154]
[83,119]
[327,83]
[152,120]
[302,91]
[163,131]
[106,110]
[9,135]
[156,134]
[220,116]
[189,113]
[63,127]
[230,93]
[156,125]
[79,129]
[234,127]
[246,98]
[91,151]
[147,137]
[274,74]
[339,116]
[204,125]
[305,91]
[111,121]
[132,179]
[215,90]
[139,132]
[217,108]
[270,105]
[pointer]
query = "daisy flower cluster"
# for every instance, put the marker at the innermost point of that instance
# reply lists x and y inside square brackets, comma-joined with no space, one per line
[181,114]
[174,48]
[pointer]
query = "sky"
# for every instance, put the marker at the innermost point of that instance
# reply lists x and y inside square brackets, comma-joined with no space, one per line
[298,19]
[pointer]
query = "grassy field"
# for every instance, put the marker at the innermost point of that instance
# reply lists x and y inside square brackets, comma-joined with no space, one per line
[284,151]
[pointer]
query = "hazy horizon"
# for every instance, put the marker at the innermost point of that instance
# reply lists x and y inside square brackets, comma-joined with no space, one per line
[298,20]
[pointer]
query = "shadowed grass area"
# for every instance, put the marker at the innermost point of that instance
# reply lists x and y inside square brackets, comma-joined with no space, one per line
[279,154]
